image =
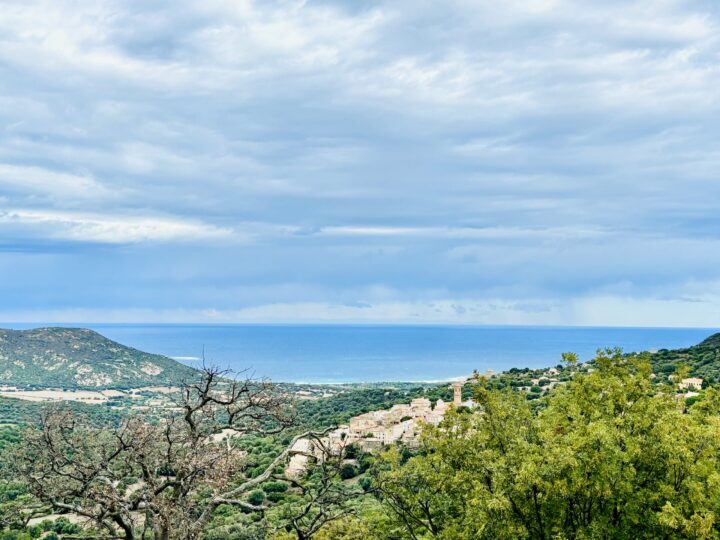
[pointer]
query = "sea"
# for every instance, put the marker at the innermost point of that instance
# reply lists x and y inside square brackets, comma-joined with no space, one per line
[384,353]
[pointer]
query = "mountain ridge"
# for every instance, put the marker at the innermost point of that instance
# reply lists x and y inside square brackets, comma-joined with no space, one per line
[80,358]
[711,341]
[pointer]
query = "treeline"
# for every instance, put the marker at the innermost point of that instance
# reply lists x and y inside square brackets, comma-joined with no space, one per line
[20,412]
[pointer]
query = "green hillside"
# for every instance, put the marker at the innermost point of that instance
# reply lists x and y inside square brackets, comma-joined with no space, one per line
[82,359]
[703,359]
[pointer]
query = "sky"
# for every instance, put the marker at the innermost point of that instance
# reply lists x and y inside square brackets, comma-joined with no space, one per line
[458,162]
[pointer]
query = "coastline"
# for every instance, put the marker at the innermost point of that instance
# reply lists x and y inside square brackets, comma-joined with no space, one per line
[342,355]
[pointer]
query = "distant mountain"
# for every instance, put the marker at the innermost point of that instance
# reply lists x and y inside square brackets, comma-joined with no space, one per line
[703,359]
[81,358]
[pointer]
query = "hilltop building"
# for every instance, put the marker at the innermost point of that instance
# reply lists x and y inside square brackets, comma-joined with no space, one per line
[691,383]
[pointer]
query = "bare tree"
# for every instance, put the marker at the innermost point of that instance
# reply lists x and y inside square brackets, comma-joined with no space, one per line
[180,466]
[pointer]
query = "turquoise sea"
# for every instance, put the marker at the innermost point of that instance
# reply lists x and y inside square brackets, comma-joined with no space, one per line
[343,353]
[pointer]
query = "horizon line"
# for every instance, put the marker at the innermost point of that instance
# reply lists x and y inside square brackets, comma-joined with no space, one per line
[81,324]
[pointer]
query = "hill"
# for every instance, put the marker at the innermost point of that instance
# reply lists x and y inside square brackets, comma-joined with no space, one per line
[82,359]
[703,359]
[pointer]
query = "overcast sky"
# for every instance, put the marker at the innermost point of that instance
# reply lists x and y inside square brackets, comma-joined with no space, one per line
[462,161]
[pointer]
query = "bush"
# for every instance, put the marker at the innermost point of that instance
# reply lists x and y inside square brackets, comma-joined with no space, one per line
[348,471]
[365,462]
[365,484]
[689,402]
[275,487]
[256,497]
[352,451]
[62,525]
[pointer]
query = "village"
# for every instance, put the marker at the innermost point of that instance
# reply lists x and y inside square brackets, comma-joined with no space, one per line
[374,430]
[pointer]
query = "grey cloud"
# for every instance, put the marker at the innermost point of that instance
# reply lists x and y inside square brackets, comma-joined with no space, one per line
[343,147]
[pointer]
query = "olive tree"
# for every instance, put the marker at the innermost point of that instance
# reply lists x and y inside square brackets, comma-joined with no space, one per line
[160,477]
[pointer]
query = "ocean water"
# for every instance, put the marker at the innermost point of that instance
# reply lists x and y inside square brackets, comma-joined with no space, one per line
[342,353]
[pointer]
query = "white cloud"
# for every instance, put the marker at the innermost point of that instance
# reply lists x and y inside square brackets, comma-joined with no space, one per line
[480,233]
[67,226]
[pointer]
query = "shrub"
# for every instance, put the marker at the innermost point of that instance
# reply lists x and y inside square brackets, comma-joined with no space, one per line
[275,487]
[256,497]
[348,471]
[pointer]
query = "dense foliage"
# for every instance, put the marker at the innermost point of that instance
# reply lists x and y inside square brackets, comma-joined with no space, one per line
[8,435]
[20,412]
[610,456]
[703,359]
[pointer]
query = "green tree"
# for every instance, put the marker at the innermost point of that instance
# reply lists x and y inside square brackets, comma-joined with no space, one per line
[348,471]
[610,455]
[256,497]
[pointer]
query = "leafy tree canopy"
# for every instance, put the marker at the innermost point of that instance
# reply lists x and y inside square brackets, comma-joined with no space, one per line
[609,456]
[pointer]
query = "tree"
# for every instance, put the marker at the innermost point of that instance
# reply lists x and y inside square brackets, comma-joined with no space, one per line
[16,505]
[348,471]
[185,463]
[608,455]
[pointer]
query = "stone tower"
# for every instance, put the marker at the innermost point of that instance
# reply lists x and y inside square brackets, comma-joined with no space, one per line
[457,393]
